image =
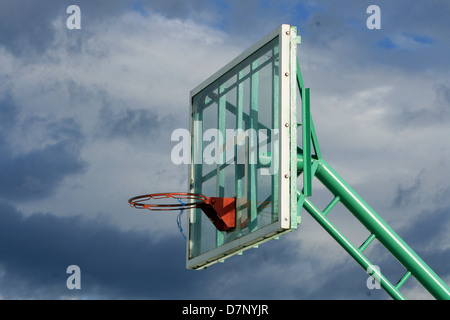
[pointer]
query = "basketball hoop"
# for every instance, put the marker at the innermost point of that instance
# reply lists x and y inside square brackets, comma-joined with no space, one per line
[221,211]
[144,201]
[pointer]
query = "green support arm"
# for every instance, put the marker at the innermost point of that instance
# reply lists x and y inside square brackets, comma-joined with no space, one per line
[378,229]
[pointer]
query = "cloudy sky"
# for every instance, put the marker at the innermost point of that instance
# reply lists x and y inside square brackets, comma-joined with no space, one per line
[86,118]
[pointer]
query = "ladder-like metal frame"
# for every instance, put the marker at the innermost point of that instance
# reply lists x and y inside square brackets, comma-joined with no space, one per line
[315,166]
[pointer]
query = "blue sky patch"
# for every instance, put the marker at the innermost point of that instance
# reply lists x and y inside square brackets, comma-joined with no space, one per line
[419,38]
[386,43]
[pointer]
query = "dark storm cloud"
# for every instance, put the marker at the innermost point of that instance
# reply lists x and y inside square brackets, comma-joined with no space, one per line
[37,173]
[426,234]
[407,195]
[26,26]
[8,112]
[132,123]
[436,112]
[36,250]
[345,281]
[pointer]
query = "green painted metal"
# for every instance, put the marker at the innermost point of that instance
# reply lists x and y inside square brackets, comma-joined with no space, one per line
[240,168]
[306,133]
[379,229]
[331,205]
[315,141]
[306,143]
[384,233]
[253,142]
[221,124]
[367,242]
[350,248]
[197,129]
[299,78]
[275,161]
[403,279]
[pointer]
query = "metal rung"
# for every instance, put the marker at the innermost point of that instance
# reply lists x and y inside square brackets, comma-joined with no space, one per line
[331,205]
[396,246]
[366,243]
[351,249]
[403,279]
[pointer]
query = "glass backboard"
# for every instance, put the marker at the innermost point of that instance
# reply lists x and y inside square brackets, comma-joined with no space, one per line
[244,145]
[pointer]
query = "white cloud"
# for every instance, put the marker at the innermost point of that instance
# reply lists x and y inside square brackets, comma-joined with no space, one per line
[126,62]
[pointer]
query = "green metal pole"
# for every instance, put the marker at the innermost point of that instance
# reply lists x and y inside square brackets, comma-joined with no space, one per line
[221,123]
[306,143]
[351,249]
[253,141]
[385,235]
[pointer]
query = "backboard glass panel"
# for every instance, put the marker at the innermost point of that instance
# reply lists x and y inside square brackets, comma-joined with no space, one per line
[244,145]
